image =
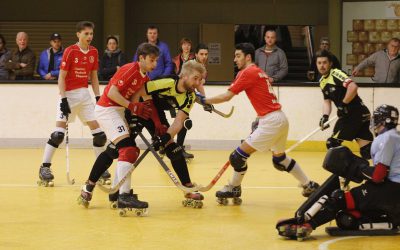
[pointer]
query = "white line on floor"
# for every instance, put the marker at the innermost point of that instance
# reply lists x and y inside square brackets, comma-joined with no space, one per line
[325,245]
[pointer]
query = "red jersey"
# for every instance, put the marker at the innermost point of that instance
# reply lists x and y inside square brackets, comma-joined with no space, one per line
[255,83]
[79,65]
[128,80]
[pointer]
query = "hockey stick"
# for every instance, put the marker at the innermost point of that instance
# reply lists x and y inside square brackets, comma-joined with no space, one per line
[225,115]
[216,178]
[114,189]
[70,182]
[326,124]
[165,167]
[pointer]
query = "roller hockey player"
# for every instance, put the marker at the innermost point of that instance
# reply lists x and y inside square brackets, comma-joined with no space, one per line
[270,134]
[369,209]
[79,63]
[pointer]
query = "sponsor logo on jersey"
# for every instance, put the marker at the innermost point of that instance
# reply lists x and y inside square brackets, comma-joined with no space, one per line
[134,82]
[91,59]
[76,60]
[364,192]
[63,64]
[120,82]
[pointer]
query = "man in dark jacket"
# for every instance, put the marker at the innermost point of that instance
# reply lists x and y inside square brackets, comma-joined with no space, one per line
[50,59]
[112,59]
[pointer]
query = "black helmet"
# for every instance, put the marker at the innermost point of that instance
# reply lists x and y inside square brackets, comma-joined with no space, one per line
[385,115]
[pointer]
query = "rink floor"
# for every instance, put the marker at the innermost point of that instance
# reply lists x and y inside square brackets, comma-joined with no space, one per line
[33,217]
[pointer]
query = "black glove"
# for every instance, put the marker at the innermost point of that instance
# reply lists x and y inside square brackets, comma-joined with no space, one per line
[97,98]
[342,110]
[64,107]
[160,141]
[254,125]
[323,120]
[208,107]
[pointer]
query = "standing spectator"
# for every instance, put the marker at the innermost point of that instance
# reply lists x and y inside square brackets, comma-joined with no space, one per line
[165,66]
[386,63]
[112,59]
[50,59]
[21,62]
[4,54]
[272,59]
[312,73]
[185,49]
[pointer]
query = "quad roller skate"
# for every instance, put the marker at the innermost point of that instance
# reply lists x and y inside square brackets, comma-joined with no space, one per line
[188,156]
[309,188]
[129,202]
[229,191]
[85,197]
[45,176]
[105,178]
[193,199]
[113,198]
[295,231]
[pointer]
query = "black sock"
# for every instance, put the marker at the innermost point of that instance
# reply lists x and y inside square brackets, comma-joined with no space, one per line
[181,170]
[181,136]
[102,163]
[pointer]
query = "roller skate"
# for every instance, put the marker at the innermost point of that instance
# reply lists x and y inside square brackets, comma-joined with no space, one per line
[45,176]
[193,199]
[86,195]
[129,201]
[229,191]
[188,156]
[113,198]
[295,231]
[105,178]
[309,188]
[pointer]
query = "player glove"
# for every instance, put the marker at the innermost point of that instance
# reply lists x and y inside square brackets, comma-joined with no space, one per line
[64,107]
[160,141]
[141,109]
[342,110]
[201,98]
[97,98]
[323,120]
[254,125]
[208,107]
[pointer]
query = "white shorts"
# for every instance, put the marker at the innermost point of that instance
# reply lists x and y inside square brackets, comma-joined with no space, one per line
[112,121]
[81,105]
[272,133]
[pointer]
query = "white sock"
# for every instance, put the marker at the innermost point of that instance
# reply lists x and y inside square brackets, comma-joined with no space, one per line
[123,167]
[115,181]
[298,173]
[49,150]
[237,178]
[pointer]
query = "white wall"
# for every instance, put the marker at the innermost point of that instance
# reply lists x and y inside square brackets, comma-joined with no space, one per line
[28,115]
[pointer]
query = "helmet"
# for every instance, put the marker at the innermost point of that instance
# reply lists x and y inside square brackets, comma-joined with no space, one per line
[385,115]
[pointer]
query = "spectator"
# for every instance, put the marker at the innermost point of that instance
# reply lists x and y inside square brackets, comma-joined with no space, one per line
[312,73]
[50,59]
[112,59]
[386,63]
[21,62]
[272,59]
[4,54]
[185,48]
[165,66]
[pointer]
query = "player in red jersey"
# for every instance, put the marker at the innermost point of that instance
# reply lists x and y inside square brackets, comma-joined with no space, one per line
[79,64]
[271,133]
[123,91]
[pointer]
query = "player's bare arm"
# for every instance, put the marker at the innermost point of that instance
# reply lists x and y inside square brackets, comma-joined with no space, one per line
[114,95]
[95,82]
[225,97]
[350,93]
[61,82]
[327,107]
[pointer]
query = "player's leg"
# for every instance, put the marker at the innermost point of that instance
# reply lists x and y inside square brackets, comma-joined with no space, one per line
[187,125]
[364,140]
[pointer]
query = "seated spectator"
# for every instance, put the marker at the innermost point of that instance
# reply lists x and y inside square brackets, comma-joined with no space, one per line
[312,73]
[4,54]
[50,59]
[386,63]
[165,66]
[112,59]
[272,59]
[185,48]
[21,62]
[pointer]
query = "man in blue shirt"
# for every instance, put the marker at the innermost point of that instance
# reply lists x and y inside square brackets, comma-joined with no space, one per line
[50,59]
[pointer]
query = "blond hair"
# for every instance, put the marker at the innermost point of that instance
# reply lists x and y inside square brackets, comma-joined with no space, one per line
[190,66]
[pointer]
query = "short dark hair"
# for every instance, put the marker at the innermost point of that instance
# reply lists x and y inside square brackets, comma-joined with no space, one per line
[247,49]
[324,53]
[146,49]
[112,37]
[83,25]
[3,40]
[200,46]
[152,27]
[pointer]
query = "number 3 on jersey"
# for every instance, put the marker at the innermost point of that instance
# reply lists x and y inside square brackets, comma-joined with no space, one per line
[270,89]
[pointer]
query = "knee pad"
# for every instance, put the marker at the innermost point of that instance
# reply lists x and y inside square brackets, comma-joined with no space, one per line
[128,154]
[56,138]
[365,151]
[99,139]
[283,163]
[346,221]
[174,152]
[238,160]
[188,123]
[112,151]
[333,142]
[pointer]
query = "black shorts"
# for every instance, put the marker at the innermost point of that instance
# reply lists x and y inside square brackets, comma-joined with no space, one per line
[354,126]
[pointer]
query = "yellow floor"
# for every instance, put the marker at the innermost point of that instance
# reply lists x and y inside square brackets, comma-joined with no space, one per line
[34,217]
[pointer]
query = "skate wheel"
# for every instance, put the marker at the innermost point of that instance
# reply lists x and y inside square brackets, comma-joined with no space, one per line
[139,212]
[51,184]
[222,201]
[122,212]
[113,205]
[185,203]
[237,201]
[198,204]
[108,182]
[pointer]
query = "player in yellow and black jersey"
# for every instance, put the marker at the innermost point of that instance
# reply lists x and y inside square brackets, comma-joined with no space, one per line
[354,116]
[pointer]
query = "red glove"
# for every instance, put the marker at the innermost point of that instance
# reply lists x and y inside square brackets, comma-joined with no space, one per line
[141,109]
[380,173]
[160,128]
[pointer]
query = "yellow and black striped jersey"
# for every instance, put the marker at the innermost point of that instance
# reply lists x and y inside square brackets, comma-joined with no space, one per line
[334,87]
[166,94]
